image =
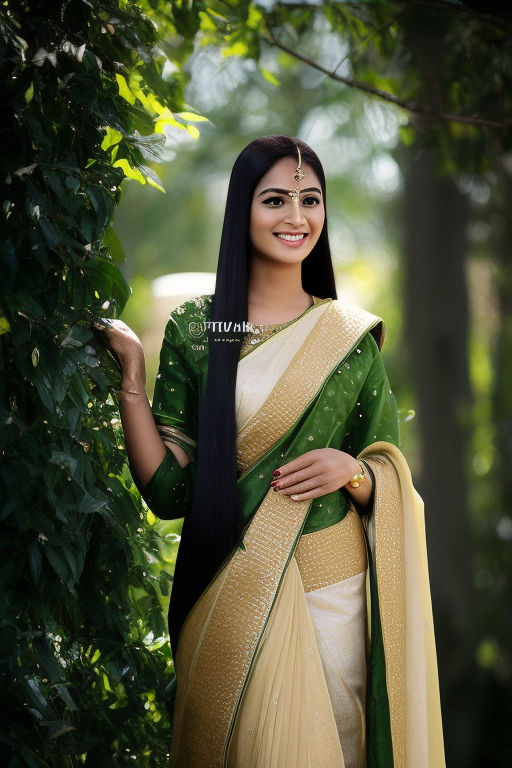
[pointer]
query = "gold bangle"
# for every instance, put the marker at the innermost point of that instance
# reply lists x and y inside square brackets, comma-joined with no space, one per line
[356,480]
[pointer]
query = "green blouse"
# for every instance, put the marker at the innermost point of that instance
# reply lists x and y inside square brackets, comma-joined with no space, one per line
[354,408]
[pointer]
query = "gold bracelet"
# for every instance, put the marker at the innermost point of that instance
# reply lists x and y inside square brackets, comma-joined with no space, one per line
[356,480]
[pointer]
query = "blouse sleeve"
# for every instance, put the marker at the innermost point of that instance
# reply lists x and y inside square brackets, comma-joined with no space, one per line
[375,415]
[169,492]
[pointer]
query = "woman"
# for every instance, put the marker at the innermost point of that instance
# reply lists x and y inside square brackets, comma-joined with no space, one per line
[274,433]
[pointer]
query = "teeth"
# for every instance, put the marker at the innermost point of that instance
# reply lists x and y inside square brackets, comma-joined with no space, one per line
[292,238]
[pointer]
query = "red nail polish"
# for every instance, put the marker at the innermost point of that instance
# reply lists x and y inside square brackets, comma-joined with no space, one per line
[272,484]
[275,488]
[276,473]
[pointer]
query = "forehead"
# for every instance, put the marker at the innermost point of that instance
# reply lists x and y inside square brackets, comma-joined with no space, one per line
[281,174]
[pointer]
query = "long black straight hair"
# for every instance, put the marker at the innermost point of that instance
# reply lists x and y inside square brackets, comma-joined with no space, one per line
[213,524]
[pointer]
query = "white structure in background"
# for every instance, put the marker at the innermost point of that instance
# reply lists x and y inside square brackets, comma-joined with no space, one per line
[169,291]
[180,286]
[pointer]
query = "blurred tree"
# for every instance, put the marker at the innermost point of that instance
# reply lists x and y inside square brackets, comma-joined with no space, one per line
[446,66]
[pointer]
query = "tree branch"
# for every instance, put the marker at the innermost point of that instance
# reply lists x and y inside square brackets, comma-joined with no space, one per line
[409,106]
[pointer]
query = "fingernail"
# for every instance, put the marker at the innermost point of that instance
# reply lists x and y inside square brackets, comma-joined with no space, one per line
[294,496]
[275,488]
[276,473]
[272,484]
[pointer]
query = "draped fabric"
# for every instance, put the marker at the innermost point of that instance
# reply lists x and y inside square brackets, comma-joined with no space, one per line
[284,661]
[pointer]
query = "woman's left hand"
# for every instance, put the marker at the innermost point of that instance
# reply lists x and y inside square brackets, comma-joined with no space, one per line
[316,473]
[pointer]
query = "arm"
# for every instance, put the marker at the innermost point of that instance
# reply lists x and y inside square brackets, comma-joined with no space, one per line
[160,468]
[324,470]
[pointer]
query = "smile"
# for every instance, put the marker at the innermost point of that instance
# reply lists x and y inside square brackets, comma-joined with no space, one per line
[291,238]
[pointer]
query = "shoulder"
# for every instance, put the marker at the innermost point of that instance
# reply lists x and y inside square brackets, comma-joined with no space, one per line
[186,328]
[359,320]
[199,306]
[188,316]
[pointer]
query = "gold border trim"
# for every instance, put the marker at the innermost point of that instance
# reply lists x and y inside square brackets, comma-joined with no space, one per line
[337,330]
[267,330]
[229,643]
[333,554]
[390,567]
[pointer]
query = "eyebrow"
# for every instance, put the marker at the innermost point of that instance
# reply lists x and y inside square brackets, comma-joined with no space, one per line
[286,191]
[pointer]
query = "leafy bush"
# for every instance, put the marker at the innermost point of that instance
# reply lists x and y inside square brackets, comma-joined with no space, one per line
[84,659]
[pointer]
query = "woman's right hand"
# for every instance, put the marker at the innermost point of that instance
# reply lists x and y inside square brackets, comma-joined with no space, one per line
[126,345]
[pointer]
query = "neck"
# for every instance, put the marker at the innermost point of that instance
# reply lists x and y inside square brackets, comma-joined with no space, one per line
[275,292]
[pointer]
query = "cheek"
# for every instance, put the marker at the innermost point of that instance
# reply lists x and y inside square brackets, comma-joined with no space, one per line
[262,220]
[317,219]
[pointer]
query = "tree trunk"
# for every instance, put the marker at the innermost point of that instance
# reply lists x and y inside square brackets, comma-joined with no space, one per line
[436,214]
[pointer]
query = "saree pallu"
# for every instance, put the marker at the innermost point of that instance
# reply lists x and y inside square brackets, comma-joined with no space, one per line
[278,665]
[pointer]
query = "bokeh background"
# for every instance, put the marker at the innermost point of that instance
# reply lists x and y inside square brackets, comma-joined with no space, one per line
[408,106]
[420,235]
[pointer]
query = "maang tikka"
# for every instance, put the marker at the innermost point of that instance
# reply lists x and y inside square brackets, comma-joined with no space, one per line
[298,176]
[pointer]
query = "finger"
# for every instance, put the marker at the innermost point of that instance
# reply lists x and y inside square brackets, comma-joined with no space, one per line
[305,485]
[304,460]
[315,493]
[296,477]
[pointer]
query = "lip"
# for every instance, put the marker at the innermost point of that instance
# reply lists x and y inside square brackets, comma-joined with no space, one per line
[290,243]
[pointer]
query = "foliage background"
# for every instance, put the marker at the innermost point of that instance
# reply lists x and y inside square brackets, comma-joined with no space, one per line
[408,106]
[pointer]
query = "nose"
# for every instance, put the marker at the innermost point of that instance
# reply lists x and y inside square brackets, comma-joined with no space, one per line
[295,214]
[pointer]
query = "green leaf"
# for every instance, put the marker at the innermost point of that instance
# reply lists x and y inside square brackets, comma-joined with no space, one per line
[153,179]
[129,171]
[37,697]
[105,277]
[192,130]
[101,204]
[111,138]
[113,244]
[59,728]
[27,305]
[29,93]
[57,563]
[35,561]
[268,75]
[192,117]
[65,696]
[52,237]
[47,660]
[5,326]
[124,89]
[89,504]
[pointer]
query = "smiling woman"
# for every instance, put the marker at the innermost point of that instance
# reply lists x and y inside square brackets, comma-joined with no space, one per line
[275,435]
[283,218]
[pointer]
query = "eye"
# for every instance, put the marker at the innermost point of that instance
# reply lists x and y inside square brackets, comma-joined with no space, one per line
[311,201]
[273,202]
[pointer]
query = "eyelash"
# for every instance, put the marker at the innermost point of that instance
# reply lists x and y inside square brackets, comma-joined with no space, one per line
[269,201]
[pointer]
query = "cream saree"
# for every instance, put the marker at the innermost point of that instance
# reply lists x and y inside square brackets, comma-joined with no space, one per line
[278,662]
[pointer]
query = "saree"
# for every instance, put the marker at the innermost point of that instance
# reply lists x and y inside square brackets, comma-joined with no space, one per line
[313,645]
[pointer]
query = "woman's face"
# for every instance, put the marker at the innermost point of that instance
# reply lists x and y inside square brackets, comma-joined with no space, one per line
[285,228]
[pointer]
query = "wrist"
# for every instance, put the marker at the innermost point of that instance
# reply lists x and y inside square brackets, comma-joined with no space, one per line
[134,380]
[359,476]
